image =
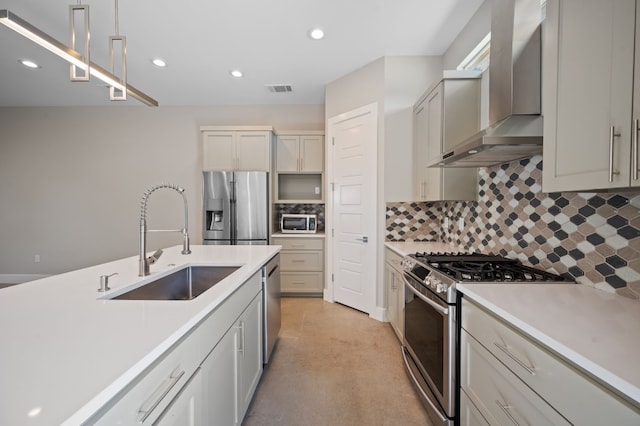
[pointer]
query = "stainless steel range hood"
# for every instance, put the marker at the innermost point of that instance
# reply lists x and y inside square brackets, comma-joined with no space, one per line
[515,129]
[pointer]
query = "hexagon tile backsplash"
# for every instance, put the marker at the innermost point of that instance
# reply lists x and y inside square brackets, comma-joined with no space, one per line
[592,237]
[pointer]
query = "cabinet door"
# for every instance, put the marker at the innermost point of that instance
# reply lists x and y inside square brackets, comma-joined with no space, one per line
[635,149]
[311,154]
[253,151]
[392,298]
[588,80]
[186,409]
[287,155]
[419,150]
[249,354]
[219,151]
[219,376]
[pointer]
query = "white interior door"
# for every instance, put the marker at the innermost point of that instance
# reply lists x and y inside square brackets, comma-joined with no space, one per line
[353,141]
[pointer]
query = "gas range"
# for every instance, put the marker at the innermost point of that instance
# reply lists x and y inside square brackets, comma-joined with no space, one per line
[440,272]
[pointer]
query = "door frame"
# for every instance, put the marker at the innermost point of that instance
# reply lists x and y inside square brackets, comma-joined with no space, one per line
[374,310]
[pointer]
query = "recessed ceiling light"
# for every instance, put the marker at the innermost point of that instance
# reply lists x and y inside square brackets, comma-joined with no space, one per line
[236,73]
[160,63]
[28,63]
[316,33]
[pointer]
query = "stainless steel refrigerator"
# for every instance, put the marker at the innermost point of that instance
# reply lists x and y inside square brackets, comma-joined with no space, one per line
[236,208]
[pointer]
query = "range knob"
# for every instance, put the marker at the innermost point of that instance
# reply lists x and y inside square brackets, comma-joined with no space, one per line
[440,288]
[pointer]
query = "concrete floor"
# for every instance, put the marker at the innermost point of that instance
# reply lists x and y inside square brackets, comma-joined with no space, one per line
[334,366]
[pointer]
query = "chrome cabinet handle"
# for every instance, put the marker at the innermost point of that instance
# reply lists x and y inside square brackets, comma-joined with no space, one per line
[147,408]
[241,340]
[506,408]
[634,148]
[612,135]
[363,239]
[504,348]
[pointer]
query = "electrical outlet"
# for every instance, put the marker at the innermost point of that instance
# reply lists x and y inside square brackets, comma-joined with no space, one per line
[36,258]
[317,190]
[446,221]
[461,223]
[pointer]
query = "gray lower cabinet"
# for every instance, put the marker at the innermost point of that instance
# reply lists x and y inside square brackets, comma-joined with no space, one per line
[301,264]
[395,291]
[207,378]
[509,378]
[232,370]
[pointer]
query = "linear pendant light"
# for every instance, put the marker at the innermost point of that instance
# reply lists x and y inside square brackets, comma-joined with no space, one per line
[27,30]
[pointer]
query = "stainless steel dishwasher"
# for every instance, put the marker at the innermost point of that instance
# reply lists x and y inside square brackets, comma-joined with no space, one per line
[271,303]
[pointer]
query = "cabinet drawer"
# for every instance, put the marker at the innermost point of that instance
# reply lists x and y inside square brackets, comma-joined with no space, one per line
[299,243]
[154,391]
[498,394]
[301,282]
[579,398]
[469,413]
[301,260]
[394,258]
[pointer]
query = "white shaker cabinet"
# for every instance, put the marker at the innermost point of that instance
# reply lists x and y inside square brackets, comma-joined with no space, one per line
[395,292]
[507,377]
[232,370]
[447,114]
[301,264]
[245,149]
[591,96]
[300,153]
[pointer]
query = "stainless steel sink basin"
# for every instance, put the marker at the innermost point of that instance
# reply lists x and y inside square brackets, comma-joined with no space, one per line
[185,284]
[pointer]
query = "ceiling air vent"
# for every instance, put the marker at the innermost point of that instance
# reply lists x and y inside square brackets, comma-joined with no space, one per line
[279,88]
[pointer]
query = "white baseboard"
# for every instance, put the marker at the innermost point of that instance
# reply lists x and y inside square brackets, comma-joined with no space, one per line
[19,278]
[379,314]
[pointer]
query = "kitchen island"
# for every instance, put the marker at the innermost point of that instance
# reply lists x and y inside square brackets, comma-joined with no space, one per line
[68,351]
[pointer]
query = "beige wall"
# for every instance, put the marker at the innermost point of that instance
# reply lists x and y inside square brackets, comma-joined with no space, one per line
[72,178]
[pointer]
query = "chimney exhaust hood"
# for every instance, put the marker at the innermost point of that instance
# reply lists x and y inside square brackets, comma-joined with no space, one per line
[515,129]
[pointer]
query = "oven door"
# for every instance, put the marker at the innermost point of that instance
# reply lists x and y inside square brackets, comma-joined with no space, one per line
[429,339]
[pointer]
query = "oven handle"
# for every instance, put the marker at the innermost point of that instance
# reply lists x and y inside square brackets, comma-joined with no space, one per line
[425,397]
[434,305]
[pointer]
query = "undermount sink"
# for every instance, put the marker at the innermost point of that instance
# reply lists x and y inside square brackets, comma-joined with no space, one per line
[185,284]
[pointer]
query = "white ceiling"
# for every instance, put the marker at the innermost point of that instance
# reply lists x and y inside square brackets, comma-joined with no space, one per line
[202,40]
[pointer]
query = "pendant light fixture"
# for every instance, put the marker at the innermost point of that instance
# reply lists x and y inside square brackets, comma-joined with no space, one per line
[78,43]
[22,27]
[118,43]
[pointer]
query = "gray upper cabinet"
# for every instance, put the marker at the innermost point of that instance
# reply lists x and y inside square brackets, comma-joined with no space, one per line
[448,113]
[590,102]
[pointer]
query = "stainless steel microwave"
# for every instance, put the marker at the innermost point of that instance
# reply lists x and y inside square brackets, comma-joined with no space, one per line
[298,223]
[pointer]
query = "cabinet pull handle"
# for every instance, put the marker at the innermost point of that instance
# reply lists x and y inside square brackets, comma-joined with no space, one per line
[150,404]
[297,261]
[506,408]
[241,340]
[612,135]
[297,245]
[298,283]
[531,370]
[634,148]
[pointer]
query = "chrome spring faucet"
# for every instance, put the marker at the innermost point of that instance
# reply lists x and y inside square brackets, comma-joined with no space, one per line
[144,261]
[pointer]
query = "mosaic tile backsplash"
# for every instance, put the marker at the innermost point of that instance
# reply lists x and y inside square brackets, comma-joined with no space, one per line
[593,238]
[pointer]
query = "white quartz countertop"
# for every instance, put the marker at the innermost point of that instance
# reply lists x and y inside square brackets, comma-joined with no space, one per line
[65,351]
[597,331]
